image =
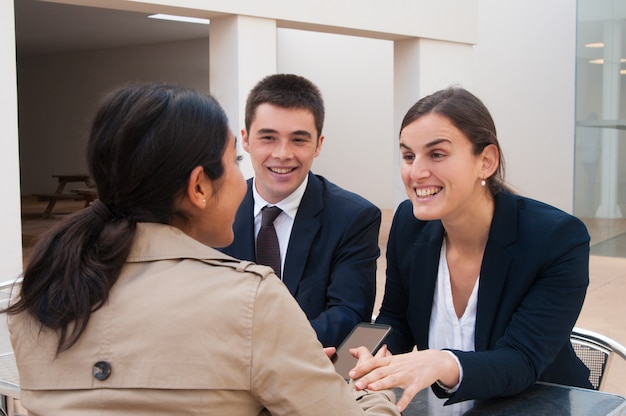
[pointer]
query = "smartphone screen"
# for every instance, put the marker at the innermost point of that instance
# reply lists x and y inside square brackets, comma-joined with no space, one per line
[372,336]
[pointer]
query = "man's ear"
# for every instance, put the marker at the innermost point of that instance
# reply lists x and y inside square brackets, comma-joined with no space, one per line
[245,142]
[199,188]
[320,142]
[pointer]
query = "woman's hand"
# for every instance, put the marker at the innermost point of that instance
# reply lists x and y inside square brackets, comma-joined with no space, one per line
[330,351]
[412,371]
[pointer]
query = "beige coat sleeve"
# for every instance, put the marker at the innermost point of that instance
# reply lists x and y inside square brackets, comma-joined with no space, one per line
[290,374]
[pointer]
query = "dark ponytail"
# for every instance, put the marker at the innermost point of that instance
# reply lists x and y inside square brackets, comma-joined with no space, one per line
[144,143]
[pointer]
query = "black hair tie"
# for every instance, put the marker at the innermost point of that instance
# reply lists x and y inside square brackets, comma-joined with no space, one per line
[101,210]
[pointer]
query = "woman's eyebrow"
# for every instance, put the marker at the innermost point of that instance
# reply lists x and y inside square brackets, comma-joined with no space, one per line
[427,145]
[436,142]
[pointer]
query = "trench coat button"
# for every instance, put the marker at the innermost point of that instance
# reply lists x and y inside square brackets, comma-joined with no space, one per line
[101,370]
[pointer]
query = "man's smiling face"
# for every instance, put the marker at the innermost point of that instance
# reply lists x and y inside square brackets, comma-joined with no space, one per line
[282,143]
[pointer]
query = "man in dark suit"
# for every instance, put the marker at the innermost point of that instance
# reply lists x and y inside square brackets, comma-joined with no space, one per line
[328,237]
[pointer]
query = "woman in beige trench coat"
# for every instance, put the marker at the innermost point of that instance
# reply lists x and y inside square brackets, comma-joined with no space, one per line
[126,309]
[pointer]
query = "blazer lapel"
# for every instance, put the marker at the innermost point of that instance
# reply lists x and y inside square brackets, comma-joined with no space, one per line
[495,267]
[305,228]
[424,269]
[243,227]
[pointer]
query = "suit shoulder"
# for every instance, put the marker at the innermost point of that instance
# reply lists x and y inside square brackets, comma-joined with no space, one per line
[534,220]
[535,210]
[343,197]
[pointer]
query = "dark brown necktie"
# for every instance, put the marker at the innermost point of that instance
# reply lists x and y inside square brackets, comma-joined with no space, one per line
[267,249]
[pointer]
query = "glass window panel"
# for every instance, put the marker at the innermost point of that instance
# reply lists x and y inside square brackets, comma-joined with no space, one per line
[600,151]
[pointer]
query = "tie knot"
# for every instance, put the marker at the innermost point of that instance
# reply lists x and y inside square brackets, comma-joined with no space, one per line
[269,214]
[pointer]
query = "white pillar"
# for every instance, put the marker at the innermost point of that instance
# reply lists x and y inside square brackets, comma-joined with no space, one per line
[610,111]
[242,50]
[406,92]
[10,217]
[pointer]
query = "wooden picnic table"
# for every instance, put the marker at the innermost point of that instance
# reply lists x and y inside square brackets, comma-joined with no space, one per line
[63,180]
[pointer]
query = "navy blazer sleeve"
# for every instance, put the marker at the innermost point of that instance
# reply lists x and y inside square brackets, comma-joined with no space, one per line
[533,281]
[332,252]
[351,289]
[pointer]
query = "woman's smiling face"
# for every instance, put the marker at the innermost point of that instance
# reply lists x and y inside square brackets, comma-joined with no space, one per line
[440,171]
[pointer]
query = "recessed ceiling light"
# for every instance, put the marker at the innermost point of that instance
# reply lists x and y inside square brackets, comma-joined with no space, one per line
[180,18]
[595,45]
[622,71]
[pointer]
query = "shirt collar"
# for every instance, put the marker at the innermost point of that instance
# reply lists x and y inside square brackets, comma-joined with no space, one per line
[289,205]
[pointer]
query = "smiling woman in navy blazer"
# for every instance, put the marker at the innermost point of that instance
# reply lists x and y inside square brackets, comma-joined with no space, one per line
[487,284]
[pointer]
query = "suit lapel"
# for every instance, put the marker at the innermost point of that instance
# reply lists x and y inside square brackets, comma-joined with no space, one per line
[305,228]
[424,269]
[495,268]
[243,227]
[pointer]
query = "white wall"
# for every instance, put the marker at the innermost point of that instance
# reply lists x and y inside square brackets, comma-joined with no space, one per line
[355,76]
[525,73]
[10,232]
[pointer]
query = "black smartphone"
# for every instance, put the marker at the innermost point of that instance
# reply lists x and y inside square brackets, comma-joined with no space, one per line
[365,334]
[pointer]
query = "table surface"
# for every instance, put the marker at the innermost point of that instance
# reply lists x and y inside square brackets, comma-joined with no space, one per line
[541,400]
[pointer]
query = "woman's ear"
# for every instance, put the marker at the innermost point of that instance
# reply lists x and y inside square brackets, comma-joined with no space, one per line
[490,158]
[199,188]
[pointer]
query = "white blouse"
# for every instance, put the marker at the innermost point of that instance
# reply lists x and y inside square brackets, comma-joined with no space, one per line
[446,329]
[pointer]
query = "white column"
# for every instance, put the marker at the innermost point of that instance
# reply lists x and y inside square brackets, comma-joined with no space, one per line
[406,86]
[242,50]
[610,111]
[10,217]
